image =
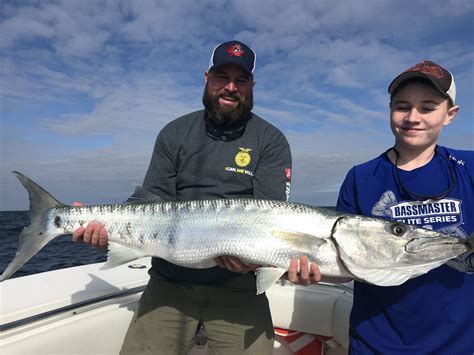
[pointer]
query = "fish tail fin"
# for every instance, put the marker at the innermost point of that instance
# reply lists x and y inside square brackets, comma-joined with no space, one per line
[34,237]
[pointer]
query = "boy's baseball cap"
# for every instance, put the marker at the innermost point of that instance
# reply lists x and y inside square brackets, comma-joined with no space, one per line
[442,79]
[233,52]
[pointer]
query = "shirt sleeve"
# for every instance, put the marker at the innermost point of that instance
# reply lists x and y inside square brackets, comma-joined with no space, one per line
[347,201]
[272,176]
[161,175]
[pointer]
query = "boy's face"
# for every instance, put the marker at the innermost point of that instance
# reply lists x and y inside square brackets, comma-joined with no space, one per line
[418,112]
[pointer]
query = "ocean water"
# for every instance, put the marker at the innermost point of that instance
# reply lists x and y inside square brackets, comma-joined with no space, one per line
[57,254]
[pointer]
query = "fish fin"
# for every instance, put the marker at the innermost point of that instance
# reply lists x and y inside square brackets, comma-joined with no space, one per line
[267,276]
[294,237]
[385,277]
[34,237]
[119,254]
[28,246]
[143,195]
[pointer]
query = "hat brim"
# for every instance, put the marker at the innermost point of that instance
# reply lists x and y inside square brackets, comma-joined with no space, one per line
[215,66]
[413,75]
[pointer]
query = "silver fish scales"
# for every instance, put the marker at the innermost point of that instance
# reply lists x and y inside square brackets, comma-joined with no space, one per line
[193,233]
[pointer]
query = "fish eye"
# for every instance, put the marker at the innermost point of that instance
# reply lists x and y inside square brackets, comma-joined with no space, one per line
[398,229]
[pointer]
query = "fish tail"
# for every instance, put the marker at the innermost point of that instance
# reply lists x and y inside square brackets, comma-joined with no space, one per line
[34,237]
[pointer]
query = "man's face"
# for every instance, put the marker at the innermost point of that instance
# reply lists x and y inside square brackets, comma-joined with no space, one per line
[228,94]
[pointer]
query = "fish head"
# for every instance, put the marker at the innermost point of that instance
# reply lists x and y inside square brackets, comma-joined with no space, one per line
[369,245]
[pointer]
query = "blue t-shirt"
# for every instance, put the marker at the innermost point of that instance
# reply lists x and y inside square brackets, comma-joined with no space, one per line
[432,313]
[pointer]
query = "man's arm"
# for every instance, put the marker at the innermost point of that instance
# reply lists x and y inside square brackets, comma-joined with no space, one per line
[272,176]
[161,174]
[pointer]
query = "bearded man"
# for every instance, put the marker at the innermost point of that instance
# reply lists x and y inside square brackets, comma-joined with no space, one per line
[223,151]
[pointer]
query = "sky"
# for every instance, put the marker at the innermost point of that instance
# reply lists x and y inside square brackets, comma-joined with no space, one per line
[86,85]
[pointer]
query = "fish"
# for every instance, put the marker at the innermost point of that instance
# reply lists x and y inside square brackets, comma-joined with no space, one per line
[265,232]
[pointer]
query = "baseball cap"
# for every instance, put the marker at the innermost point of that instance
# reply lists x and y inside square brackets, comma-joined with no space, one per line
[442,79]
[233,52]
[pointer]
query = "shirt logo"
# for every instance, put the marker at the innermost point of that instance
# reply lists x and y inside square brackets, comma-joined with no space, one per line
[288,174]
[413,212]
[242,158]
[443,215]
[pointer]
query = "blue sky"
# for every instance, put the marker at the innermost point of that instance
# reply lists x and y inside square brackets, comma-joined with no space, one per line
[86,85]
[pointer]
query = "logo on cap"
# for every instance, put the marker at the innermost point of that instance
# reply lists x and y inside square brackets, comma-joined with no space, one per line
[428,69]
[235,50]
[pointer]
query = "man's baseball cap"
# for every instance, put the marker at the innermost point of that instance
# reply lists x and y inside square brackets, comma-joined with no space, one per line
[442,79]
[233,52]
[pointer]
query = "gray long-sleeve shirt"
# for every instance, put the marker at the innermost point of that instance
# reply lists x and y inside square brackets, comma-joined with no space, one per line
[188,163]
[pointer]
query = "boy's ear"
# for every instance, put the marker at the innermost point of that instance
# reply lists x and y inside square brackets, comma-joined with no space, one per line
[451,114]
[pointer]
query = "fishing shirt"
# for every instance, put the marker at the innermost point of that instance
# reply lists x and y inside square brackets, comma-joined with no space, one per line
[432,313]
[194,159]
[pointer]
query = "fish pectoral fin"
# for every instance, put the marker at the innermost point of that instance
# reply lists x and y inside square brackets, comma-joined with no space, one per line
[119,254]
[267,276]
[300,240]
[291,235]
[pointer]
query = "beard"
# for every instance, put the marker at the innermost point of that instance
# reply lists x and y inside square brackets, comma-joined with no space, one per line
[225,116]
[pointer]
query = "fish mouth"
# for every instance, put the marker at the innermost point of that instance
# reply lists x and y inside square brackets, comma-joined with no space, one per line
[417,245]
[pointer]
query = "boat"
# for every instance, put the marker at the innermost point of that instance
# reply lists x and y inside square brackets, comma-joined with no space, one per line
[86,310]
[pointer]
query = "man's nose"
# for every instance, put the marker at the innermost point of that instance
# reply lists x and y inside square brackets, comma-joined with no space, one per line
[230,86]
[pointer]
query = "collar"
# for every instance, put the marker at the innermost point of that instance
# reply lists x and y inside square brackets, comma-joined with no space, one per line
[225,133]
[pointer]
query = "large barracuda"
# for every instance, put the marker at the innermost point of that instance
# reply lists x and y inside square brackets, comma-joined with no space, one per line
[263,232]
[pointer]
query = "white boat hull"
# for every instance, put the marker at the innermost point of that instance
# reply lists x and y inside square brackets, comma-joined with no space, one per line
[84,310]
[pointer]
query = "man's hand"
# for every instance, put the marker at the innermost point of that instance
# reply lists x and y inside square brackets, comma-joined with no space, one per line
[234,264]
[309,272]
[95,233]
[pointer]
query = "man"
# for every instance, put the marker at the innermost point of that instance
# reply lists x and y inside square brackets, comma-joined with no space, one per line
[223,151]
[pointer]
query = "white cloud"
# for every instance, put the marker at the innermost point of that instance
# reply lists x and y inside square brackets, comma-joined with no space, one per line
[145,102]
[87,85]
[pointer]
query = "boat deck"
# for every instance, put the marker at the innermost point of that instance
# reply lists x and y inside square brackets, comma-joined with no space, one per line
[85,310]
